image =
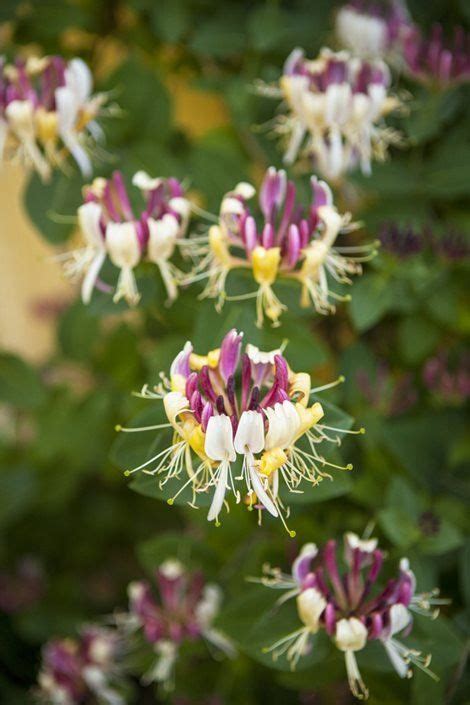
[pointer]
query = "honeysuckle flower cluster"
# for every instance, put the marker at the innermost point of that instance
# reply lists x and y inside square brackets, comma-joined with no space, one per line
[404,241]
[23,587]
[77,671]
[448,377]
[184,610]
[335,109]
[436,61]
[112,228]
[350,607]
[47,110]
[372,28]
[285,240]
[242,424]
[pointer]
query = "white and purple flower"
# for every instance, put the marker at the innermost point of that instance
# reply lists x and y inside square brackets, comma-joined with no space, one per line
[336,104]
[238,422]
[435,60]
[183,609]
[113,229]
[284,240]
[372,29]
[47,110]
[350,607]
[75,671]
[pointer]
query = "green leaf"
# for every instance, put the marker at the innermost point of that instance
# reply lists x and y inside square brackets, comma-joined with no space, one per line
[398,527]
[51,206]
[78,332]
[20,384]
[170,19]
[371,299]
[255,623]
[19,489]
[145,105]
[192,553]
[222,36]
[401,496]
[448,538]
[417,338]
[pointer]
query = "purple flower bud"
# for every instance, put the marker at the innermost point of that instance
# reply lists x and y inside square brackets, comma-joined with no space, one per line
[293,246]
[272,192]
[230,353]
[251,235]
[207,412]
[267,237]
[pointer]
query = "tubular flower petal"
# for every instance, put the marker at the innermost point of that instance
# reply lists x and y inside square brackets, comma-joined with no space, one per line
[284,240]
[230,409]
[335,109]
[47,112]
[112,230]
[350,607]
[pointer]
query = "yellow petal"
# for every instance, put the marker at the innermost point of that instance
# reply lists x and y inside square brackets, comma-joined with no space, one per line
[265,264]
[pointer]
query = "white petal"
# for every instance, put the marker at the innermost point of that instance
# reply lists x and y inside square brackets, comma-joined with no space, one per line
[333,222]
[78,78]
[250,433]
[89,215]
[91,276]
[284,423]
[174,403]
[258,356]
[400,617]
[245,190]
[219,494]
[398,662]
[145,182]
[122,244]
[353,541]
[351,634]
[162,237]
[219,439]
[67,110]
[183,207]
[310,605]
[19,114]
[261,492]
[79,154]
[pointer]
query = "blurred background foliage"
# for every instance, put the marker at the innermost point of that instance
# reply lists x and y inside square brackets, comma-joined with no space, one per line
[73,534]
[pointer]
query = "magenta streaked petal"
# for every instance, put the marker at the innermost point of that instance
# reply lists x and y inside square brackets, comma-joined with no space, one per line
[293,247]
[230,354]
[207,412]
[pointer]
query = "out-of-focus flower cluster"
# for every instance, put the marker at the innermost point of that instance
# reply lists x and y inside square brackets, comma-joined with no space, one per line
[286,241]
[436,60]
[95,666]
[385,29]
[22,588]
[448,379]
[257,419]
[182,609]
[47,110]
[372,28]
[406,240]
[82,670]
[388,394]
[335,109]
[350,607]
[111,228]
